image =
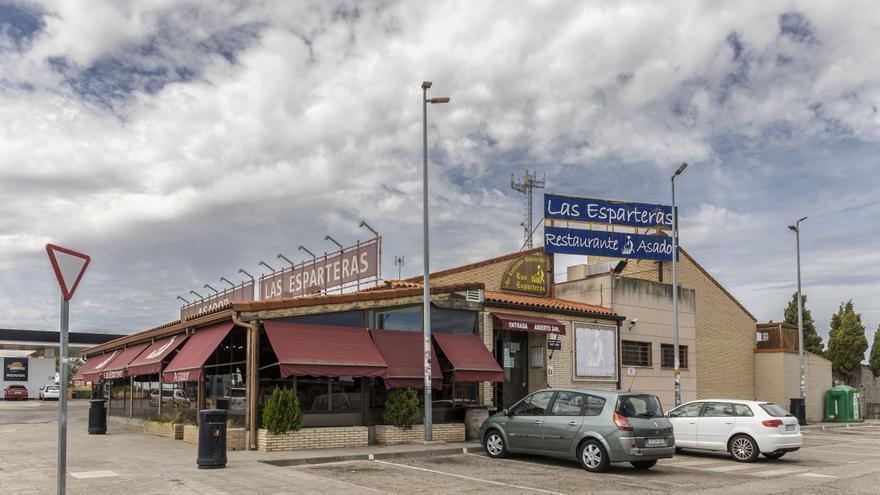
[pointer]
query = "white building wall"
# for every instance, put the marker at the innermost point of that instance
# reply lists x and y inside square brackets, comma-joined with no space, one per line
[41,371]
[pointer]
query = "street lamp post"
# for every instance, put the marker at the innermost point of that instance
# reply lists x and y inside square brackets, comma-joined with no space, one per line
[675,288]
[426,290]
[797,230]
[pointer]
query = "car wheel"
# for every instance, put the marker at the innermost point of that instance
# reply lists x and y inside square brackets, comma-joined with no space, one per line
[743,448]
[774,455]
[644,464]
[593,457]
[494,445]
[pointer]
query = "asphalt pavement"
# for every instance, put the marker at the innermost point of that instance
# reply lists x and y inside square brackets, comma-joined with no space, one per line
[833,461]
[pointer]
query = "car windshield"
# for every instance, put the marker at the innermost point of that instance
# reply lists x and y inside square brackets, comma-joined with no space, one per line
[774,410]
[639,406]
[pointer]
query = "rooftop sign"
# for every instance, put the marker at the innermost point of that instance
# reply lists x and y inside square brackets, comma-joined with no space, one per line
[600,227]
[239,293]
[351,266]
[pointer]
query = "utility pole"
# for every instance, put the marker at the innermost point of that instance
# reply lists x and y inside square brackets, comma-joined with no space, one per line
[529,182]
[676,346]
[398,260]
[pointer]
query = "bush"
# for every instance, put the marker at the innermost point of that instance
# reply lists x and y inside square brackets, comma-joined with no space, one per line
[402,409]
[167,418]
[282,412]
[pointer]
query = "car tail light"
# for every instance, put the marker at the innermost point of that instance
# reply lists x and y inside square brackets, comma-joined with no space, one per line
[622,423]
[772,423]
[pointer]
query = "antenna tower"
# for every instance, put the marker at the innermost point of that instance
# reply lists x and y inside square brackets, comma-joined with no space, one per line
[529,182]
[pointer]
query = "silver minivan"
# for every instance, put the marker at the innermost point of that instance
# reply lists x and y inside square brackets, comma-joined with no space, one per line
[596,427]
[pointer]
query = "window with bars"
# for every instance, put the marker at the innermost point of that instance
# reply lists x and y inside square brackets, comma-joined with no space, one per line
[667,356]
[635,353]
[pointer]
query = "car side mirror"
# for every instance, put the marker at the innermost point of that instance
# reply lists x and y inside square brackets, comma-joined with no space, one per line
[505,412]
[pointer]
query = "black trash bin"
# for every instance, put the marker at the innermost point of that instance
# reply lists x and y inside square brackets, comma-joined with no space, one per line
[799,410]
[97,417]
[212,439]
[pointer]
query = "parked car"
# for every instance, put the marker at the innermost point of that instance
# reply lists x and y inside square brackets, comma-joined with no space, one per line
[16,392]
[596,427]
[744,428]
[49,392]
[176,397]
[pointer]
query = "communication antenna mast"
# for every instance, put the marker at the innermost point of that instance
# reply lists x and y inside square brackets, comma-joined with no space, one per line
[529,182]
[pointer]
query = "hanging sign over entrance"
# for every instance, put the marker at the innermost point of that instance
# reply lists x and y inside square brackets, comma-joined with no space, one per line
[528,274]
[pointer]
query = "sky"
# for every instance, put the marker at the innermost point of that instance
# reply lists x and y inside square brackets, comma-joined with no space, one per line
[178,141]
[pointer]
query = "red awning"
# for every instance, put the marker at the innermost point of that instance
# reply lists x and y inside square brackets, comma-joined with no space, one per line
[116,368]
[96,365]
[403,352]
[520,323]
[187,364]
[88,366]
[323,350]
[471,361]
[150,361]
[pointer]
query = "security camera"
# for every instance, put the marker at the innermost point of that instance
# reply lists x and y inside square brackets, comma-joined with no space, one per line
[634,321]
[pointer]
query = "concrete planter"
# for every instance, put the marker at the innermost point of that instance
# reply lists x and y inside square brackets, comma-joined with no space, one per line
[445,432]
[313,438]
[234,437]
[170,430]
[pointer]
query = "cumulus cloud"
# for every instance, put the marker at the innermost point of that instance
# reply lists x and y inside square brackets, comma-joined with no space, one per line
[178,141]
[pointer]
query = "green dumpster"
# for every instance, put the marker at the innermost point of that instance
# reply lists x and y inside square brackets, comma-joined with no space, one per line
[842,405]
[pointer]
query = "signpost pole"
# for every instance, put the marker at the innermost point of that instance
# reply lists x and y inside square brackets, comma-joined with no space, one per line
[676,361]
[426,281]
[62,399]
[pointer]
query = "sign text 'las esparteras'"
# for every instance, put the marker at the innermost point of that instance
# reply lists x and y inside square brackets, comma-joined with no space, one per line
[612,244]
[578,209]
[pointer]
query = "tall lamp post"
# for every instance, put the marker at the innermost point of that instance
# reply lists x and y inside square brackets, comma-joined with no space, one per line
[797,230]
[675,287]
[426,292]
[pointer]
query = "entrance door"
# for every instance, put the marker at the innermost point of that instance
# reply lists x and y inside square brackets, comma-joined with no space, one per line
[511,352]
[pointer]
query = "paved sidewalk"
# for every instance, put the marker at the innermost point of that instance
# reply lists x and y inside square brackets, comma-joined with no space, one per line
[126,460]
[828,426]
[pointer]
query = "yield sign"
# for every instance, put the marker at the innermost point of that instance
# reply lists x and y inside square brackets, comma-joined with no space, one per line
[69,267]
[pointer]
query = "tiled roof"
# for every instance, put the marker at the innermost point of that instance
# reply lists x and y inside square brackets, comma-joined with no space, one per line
[549,303]
[478,264]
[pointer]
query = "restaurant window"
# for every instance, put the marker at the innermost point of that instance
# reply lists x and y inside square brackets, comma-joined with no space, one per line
[145,396]
[322,394]
[634,353]
[442,320]
[667,356]
[118,392]
[225,389]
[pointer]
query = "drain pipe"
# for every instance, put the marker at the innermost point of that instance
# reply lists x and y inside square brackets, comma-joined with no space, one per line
[250,412]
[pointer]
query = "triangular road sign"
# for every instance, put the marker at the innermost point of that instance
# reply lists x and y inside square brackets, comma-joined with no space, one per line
[69,267]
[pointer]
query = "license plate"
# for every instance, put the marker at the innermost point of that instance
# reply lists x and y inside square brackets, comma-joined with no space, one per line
[654,442]
[790,427]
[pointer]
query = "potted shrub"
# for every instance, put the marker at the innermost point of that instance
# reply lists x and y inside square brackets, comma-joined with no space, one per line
[401,413]
[165,425]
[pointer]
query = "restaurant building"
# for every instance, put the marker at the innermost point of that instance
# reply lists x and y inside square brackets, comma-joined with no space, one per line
[499,332]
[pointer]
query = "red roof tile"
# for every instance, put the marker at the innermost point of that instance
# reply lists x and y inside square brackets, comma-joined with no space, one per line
[549,303]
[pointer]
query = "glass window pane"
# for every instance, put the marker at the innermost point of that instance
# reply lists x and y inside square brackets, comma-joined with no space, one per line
[594,406]
[538,404]
[718,409]
[635,353]
[639,406]
[687,411]
[743,410]
[568,404]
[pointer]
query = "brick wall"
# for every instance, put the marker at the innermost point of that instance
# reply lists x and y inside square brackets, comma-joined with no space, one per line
[392,435]
[234,437]
[725,332]
[170,430]
[313,438]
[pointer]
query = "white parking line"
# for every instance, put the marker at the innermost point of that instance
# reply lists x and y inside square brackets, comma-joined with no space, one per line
[469,478]
[731,467]
[779,472]
[817,475]
[694,463]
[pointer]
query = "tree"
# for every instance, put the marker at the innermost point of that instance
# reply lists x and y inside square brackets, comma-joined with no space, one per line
[812,340]
[847,342]
[282,412]
[874,361]
[402,409]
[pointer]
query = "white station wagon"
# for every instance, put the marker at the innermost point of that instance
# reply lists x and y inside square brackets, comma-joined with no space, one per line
[744,428]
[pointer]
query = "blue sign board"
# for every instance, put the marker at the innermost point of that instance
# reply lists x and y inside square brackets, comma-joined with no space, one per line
[612,244]
[577,209]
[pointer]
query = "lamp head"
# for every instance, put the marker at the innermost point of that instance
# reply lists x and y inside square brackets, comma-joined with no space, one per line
[681,169]
[426,84]
[444,99]
[793,227]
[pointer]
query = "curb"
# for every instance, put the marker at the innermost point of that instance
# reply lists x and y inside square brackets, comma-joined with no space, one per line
[370,457]
[833,427]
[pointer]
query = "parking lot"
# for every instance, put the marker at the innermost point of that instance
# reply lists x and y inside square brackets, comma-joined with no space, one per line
[834,461]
